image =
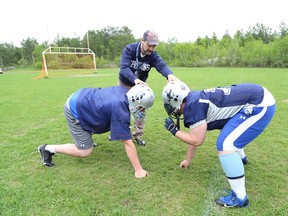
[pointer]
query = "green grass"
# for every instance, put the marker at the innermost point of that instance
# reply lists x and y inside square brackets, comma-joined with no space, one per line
[31,113]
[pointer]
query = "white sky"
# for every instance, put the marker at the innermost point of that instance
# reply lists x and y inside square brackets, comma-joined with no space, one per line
[183,19]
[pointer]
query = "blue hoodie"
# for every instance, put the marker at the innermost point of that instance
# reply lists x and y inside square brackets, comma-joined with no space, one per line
[133,66]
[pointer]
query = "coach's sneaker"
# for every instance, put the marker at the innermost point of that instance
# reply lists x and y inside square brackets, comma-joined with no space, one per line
[46,156]
[244,160]
[233,201]
[140,141]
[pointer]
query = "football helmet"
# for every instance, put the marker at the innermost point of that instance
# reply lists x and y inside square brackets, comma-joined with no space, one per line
[173,95]
[141,99]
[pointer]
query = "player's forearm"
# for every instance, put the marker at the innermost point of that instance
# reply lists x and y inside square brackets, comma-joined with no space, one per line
[132,155]
[186,137]
[191,150]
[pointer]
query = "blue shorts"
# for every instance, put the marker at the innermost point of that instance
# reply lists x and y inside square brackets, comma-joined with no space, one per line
[241,129]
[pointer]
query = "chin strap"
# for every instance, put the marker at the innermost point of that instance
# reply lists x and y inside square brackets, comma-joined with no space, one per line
[178,123]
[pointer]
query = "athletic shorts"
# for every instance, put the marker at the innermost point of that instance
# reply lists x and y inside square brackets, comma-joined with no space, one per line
[82,139]
[244,127]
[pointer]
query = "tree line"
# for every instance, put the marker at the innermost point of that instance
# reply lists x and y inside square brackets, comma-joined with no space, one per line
[259,46]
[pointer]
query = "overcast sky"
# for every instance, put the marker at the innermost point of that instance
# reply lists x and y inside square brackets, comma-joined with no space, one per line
[184,20]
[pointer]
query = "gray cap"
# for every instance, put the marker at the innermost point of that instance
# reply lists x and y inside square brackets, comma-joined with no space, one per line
[151,37]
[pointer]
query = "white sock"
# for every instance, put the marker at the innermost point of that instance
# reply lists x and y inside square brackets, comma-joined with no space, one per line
[241,153]
[50,148]
[238,186]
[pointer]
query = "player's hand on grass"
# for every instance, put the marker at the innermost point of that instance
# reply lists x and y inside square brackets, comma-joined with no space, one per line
[184,164]
[170,125]
[141,174]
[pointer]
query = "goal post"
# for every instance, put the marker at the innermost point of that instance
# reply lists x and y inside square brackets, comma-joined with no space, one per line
[61,56]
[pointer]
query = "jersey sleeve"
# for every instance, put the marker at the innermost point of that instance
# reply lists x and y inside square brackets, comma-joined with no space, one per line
[195,114]
[161,66]
[126,59]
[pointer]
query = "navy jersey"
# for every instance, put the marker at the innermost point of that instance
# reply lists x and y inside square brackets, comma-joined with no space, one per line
[133,66]
[216,106]
[100,110]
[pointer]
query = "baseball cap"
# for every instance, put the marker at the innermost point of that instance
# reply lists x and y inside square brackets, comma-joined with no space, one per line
[151,37]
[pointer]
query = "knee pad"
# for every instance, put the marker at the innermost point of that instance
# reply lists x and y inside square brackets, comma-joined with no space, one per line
[232,165]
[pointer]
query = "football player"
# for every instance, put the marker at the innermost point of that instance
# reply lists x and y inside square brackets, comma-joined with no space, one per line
[98,110]
[240,111]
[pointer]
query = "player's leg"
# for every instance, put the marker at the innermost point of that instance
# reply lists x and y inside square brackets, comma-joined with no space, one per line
[138,132]
[243,156]
[236,134]
[83,146]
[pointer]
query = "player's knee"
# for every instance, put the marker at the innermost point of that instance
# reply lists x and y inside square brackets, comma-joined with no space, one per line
[85,153]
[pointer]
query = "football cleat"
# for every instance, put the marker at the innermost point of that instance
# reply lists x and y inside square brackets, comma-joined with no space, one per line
[46,156]
[245,160]
[233,201]
[140,141]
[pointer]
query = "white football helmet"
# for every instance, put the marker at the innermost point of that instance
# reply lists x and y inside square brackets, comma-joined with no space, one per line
[173,95]
[141,99]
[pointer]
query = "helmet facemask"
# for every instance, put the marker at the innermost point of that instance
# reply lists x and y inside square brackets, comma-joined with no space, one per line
[172,112]
[141,99]
[173,95]
[138,113]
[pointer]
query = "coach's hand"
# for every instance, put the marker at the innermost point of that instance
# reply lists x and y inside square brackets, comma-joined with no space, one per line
[139,82]
[171,126]
[172,78]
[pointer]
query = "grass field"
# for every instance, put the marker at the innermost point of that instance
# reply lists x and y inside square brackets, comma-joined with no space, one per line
[31,113]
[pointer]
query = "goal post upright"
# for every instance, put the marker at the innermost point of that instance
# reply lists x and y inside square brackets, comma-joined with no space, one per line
[67,51]
[44,64]
[94,60]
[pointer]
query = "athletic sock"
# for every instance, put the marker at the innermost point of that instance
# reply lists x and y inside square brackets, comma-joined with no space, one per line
[241,153]
[50,148]
[234,170]
[238,186]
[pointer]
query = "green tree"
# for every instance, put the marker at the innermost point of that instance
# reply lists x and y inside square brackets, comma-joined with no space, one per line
[28,47]
[230,50]
[165,50]
[9,55]
[68,42]
[255,53]
[37,53]
[183,54]
[213,50]
[283,30]
[280,52]
[259,31]
[118,40]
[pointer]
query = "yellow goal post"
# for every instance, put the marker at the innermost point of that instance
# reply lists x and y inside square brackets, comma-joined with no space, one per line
[66,51]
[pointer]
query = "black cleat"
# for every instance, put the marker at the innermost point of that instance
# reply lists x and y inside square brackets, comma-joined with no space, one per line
[245,160]
[140,141]
[46,156]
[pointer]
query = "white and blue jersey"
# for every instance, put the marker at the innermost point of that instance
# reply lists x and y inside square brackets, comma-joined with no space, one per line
[241,111]
[100,110]
[133,65]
